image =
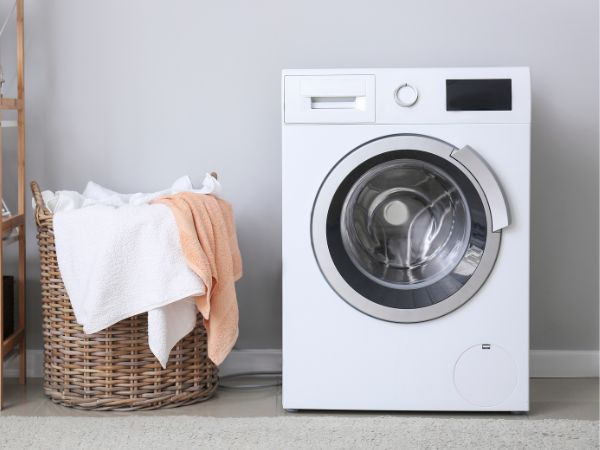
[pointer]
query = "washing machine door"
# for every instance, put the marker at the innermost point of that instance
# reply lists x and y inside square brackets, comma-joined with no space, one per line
[407,228]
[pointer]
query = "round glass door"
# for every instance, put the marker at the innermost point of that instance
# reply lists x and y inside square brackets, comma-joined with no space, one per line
[401,231]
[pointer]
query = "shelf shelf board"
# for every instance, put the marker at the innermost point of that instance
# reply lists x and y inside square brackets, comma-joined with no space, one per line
[10,103]
[8,224]
[10,239]
[16,338]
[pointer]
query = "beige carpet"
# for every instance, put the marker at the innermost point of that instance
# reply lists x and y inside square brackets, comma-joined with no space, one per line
[312,432]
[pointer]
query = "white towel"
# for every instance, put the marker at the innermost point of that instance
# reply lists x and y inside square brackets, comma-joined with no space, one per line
[117,262]
[94,194]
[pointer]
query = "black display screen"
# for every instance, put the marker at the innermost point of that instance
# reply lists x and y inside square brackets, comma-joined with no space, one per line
[479,95]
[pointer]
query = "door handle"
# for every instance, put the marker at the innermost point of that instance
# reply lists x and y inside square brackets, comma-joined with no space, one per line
[488,182]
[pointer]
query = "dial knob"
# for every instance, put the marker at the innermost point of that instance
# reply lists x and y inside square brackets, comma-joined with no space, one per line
[406,95]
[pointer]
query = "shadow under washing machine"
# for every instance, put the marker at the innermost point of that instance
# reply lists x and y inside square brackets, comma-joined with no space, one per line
[406,239]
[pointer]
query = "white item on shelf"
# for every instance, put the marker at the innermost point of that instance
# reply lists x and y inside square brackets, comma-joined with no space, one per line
[5,211]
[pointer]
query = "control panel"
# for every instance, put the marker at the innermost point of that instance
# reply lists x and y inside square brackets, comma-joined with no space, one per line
[408,96]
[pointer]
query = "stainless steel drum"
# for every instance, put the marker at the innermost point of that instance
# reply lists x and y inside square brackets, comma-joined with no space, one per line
[405,223]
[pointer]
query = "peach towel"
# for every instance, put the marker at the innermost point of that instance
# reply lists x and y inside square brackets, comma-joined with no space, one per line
[209,243]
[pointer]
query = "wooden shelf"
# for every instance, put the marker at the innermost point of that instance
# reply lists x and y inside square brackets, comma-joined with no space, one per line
[10,103]
[10,239]
[12,222]
[14,339]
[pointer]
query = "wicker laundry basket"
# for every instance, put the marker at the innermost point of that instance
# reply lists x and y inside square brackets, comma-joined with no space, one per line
[113,369]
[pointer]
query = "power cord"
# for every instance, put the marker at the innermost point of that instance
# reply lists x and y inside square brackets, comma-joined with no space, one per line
[250,386]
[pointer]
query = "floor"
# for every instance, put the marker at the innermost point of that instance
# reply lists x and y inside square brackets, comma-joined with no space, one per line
[560,398]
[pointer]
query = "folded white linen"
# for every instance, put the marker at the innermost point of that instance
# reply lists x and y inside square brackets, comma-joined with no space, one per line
[117,262]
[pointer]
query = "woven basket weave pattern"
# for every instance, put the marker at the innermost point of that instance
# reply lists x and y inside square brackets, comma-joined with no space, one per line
[113,369]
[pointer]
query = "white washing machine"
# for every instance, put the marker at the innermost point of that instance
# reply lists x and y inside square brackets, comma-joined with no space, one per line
[406,239]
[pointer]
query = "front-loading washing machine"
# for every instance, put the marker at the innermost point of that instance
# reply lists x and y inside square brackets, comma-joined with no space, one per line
[406,239]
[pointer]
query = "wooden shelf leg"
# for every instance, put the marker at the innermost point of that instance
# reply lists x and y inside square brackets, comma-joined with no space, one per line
[22,347]
[21,170]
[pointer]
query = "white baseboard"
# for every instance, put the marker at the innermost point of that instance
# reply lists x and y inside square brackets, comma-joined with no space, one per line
[563,363]
[543,363]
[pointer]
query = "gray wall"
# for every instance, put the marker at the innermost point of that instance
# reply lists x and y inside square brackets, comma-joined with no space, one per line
[133,94]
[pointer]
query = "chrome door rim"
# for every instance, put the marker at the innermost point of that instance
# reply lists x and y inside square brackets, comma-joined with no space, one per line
[321,250]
